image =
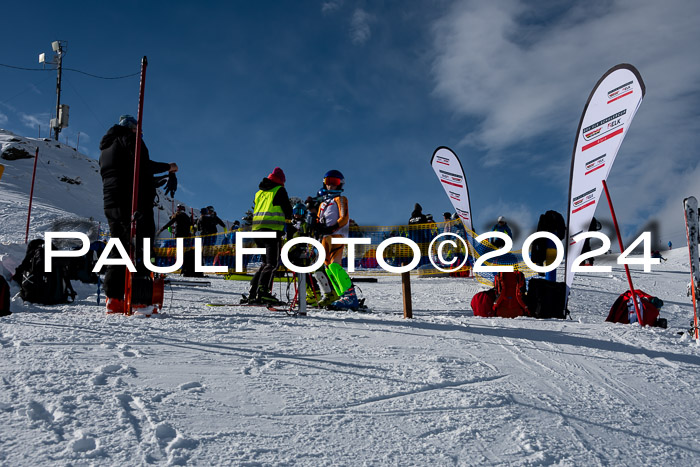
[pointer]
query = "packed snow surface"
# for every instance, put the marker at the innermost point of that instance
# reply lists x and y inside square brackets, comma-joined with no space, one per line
[200,385]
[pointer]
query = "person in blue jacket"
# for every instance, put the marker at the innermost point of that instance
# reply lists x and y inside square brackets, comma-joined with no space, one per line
[501,226]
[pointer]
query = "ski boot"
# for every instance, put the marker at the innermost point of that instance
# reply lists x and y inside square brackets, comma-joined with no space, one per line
[265,297]
[312,297]
[327,299]
[249,299]
[115,306]
[347,302]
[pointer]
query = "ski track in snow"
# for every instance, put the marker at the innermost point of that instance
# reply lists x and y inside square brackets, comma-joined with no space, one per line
[242,385]
[245,385]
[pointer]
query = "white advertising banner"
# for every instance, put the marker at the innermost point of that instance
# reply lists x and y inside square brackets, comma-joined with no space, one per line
[604,123]
[449,171]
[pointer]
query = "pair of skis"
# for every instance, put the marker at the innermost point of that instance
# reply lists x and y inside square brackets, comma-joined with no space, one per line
[690,205]
[286,308]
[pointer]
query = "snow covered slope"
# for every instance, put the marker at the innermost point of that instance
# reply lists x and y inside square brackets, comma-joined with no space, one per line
[68,185]
[242,385]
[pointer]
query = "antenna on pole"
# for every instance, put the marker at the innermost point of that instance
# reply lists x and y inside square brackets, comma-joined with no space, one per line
[61,120]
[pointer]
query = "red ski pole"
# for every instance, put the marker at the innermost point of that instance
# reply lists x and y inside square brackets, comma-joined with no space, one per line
[622,249]
[31,196]
[135,190]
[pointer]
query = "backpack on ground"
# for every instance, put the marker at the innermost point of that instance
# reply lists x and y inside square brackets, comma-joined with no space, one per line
[623,311]
[80,268]
[510,295]
[550,221]
[546,299]
[45,288]
[4,297]
[482,303]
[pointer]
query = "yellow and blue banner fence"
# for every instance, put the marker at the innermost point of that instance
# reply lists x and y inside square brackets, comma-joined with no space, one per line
[220,250]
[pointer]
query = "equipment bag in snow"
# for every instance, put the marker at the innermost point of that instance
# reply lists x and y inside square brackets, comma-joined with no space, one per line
[510,295]
[4,297]
[623,309]
[46,288]
[546,299]
[482,303]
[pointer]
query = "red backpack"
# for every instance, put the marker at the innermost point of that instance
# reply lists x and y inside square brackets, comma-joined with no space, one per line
[623,307]
[482,303]
[510,295]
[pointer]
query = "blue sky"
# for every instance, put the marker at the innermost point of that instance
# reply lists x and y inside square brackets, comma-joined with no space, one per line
[371,88]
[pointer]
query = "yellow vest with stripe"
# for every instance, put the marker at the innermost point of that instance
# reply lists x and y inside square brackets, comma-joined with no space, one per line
[266,215]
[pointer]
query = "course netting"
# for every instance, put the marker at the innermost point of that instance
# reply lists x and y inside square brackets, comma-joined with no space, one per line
[220,250]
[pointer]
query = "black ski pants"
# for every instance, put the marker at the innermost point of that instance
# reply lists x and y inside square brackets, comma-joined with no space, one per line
[120,227]
[266,274]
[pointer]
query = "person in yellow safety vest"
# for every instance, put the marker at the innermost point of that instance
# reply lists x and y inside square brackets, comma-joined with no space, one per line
[270,214]
[334,222]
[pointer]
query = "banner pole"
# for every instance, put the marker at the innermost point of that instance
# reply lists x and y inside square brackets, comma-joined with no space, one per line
[31,196]
[622,249]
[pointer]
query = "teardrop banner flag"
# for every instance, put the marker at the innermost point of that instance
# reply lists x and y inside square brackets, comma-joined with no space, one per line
[449,171]
[604,123]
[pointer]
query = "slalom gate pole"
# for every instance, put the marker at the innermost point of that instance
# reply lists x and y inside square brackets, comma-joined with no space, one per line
[135,191]
[31,196]
[622,249]
[406,289]
[693,284]
[301,293]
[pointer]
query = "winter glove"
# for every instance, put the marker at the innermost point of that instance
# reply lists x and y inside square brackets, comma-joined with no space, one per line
[326,230]
[171,185]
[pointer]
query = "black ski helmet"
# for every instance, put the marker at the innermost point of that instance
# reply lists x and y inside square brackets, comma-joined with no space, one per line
[334,178]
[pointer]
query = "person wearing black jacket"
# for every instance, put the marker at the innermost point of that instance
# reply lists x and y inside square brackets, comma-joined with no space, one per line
[182,223]
[118,148]
[271,213]
[417,216]
[208,222]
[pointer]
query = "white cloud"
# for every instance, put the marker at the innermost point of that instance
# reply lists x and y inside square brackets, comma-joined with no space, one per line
[330,6]
[519,79]
[35,121]
[360,31]
[525,79]
[3,118]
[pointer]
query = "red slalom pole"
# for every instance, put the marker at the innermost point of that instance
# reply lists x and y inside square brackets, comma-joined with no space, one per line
[31,197]
[135,190]
[622,249]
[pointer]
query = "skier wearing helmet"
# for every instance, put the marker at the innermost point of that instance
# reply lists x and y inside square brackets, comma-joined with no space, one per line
[334,222]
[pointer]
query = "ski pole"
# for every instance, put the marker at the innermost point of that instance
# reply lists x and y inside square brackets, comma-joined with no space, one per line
[622,249]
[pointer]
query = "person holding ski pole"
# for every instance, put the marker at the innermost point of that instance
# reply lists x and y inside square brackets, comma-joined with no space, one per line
[117,156]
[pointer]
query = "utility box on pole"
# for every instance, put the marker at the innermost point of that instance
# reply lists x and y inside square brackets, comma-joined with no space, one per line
[63,115]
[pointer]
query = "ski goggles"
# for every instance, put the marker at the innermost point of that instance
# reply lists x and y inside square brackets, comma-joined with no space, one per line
[333,181]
